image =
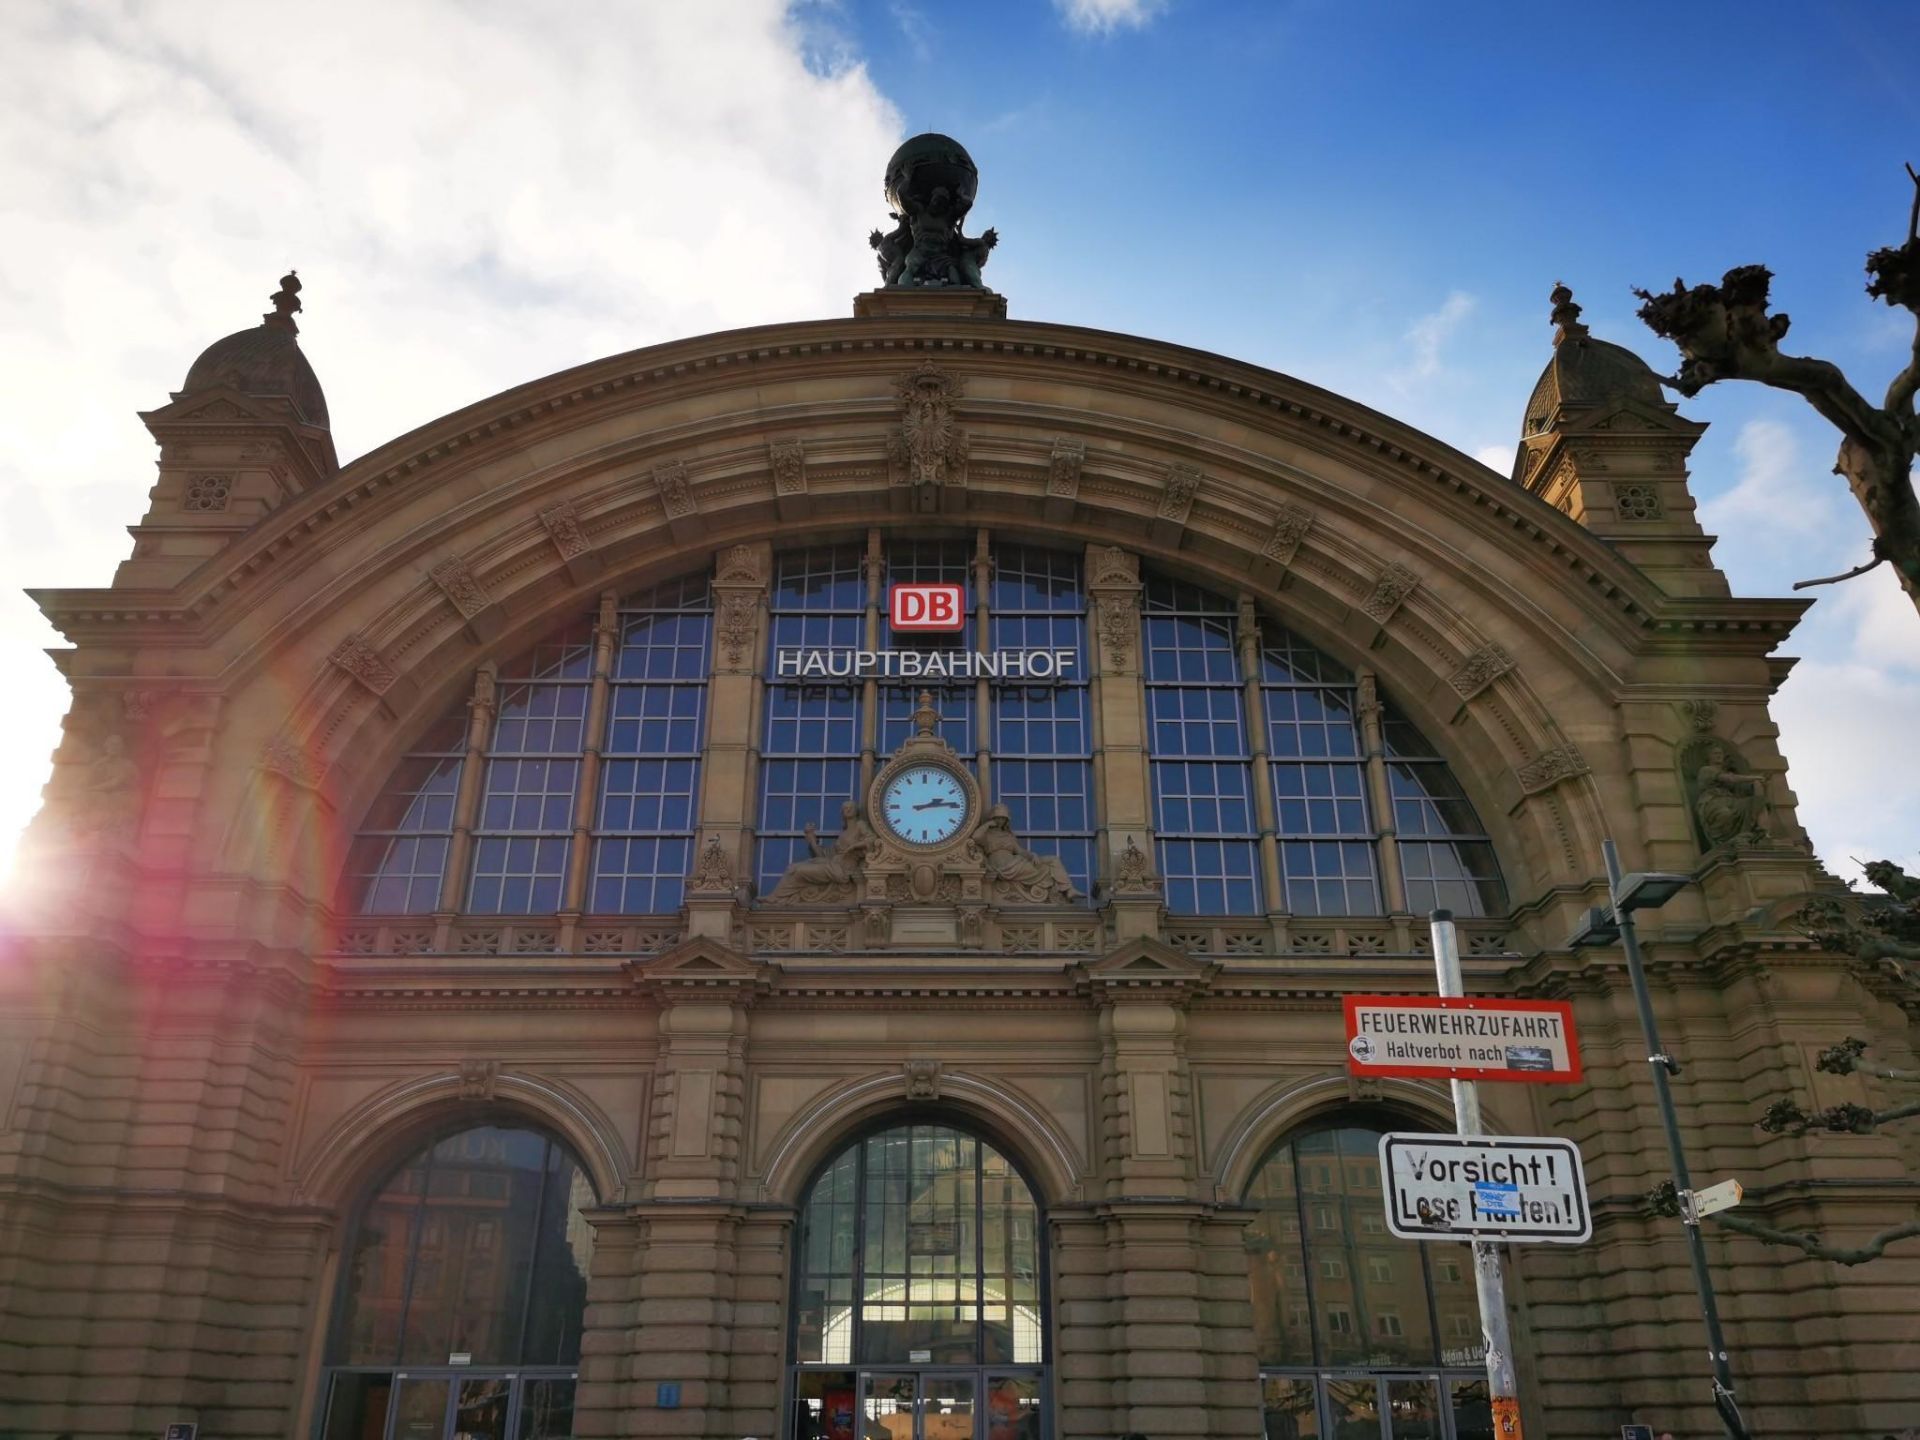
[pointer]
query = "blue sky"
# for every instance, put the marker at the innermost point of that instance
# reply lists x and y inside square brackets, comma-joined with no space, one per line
[1374,197]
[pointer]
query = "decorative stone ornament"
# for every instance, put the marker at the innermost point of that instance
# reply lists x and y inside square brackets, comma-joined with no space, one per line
[459,584]
[928,450]
[1290,529]
[1133,872]
[365,664]
[1479,670]
[713,873]
[1390,592]
[1550,767]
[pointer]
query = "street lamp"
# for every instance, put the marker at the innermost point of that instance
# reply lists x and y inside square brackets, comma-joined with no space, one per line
[1606,925]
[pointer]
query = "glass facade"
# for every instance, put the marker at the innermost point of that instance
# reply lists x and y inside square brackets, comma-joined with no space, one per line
[470,1260]
[1360,1333]
[1270,790]
[918,1292]
[1203,816]
[810,743]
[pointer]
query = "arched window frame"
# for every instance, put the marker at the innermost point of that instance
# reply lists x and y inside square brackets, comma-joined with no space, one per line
[1451,1377]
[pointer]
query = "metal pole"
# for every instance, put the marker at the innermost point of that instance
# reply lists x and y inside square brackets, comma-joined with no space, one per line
[1662,1063]
[1488,1280]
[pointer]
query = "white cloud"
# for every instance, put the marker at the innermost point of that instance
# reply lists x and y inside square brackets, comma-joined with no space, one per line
[1496,457]
[475,196]
[1427,335]
[1103,17]
[1786,518]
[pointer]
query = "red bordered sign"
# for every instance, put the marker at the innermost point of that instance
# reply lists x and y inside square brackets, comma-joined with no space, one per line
[926,607]
[1426,1036]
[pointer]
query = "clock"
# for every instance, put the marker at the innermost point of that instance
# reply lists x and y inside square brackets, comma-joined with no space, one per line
[925,804]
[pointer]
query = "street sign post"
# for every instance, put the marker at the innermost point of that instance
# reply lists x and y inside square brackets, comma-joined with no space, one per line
[1482,1187]
[1440,1036]
[1715,1198]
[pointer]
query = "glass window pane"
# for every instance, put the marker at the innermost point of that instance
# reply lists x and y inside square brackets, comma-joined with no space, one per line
[946,1407]
[1353,1407]
[1013,1407]
[420,1409]
[824,1406]
[480,1408]
[1290,1409]
[546,1410]
[1472,1410]
[887,1406]
[1414,1407]
[357,1407]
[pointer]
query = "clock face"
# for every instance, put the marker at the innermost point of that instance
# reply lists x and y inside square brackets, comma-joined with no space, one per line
[925,804]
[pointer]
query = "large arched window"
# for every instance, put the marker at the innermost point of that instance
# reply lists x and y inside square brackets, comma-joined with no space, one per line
[1361,1334]
[918,1294]
[1224,709]
[464,1291]
[623,712]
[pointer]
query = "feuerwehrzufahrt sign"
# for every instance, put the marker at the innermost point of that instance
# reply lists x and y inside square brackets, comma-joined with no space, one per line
[1482,1187]
[1463,1039]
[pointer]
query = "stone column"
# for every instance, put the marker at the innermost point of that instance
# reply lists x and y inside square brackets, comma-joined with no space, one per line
[1169,1282]
[1117,699]
[728,771]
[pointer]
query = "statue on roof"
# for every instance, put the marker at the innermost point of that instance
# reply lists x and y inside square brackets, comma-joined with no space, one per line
[930,187]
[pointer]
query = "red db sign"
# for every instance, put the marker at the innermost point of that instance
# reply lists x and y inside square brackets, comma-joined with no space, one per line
[925,607]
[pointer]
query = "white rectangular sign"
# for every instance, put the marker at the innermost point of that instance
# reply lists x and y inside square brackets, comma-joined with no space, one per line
[1715,1198]
[1465,1187]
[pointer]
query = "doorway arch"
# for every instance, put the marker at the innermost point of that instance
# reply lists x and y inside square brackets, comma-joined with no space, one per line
[463,1293]
[919,1308]
[1360,1334]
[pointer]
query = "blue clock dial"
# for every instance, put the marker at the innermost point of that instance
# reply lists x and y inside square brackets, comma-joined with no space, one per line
[924,804]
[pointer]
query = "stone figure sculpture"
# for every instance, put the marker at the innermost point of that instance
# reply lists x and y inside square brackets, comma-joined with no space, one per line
[109,800]
[1729,803]
[833,871]
[1038,878]
[930,187]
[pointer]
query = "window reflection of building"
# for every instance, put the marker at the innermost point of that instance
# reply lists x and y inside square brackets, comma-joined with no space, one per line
[475,1253]
[1333,1293]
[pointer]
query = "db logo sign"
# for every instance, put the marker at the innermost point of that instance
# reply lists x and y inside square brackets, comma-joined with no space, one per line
[925,607]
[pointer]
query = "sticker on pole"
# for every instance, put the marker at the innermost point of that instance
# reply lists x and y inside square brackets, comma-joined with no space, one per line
[1482,1187]
[1432,1036]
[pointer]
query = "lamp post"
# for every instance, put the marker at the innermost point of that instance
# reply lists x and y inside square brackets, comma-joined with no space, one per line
[1648,890]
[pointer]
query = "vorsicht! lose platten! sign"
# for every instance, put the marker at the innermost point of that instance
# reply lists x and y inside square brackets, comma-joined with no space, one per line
[1429,1036]
[1467,1187]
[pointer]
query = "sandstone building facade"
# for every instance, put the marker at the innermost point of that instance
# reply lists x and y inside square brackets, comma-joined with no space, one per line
[470,988]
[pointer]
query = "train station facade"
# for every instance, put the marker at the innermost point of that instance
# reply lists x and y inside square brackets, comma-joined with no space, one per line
[526,939]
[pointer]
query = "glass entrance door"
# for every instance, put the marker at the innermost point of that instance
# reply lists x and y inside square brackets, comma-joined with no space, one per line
[447,1404]
[1374,1406]
[931,1403]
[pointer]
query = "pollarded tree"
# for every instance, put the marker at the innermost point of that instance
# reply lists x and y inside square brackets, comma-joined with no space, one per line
[1881,932]
[1725,333]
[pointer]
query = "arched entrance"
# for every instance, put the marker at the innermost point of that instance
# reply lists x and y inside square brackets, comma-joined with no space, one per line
[919,1306]
[463,1295]
[1362,1336]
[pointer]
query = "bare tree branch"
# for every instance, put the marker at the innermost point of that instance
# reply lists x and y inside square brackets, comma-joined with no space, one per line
[1813,1245]
[1852,574]
[1900,394]
[1724,332]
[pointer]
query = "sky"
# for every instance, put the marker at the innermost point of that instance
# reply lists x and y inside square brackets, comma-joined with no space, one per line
[1375,197]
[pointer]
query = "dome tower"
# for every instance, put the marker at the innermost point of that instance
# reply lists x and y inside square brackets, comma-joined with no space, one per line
[247,429]
[1601,443]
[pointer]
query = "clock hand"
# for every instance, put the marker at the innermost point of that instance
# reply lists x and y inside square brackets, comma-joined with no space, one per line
[938,805]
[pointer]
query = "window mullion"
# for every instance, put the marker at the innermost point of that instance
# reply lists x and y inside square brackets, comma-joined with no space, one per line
[982,687]
[481,712]
[586,795]
[1263,807]
[874,569]
[1367,706]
